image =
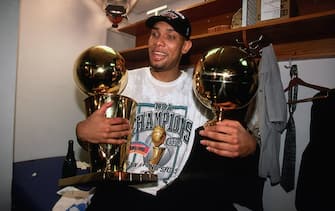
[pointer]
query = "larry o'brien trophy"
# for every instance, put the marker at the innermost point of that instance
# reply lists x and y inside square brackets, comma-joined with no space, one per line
[225,80]
[100,73]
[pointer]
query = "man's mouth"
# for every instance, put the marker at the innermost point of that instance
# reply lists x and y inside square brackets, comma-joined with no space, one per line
[158,55]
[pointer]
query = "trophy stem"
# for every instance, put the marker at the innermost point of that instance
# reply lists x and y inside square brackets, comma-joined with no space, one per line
[219,114]
[107,168]
[109,152]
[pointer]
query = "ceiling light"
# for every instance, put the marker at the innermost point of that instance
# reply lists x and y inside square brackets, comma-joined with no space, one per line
[156,10]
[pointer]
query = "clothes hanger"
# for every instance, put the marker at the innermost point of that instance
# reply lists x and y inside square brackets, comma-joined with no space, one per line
[310,98]
[298,81]
[295,81]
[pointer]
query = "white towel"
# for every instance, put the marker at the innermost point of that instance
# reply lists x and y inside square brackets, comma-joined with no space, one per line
[73,199]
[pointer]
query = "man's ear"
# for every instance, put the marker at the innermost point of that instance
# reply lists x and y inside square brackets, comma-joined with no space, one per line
[187,46]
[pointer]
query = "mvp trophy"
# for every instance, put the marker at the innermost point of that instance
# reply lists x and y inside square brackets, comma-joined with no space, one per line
[225,80]
[101,74]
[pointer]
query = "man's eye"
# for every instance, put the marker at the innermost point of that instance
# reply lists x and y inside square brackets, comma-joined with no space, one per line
[154,34]
[171,37]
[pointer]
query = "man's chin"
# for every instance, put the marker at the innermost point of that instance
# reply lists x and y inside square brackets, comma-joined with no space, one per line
[157,67]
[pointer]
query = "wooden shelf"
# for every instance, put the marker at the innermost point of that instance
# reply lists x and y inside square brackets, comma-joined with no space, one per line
[302,37]
[220,11]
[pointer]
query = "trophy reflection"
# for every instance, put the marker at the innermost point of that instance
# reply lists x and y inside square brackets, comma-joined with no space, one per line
[225,79]
[158,139]
[101,74]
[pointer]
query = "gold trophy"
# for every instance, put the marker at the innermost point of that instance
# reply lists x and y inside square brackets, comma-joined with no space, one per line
[225,79]
[100,73]
[158,138]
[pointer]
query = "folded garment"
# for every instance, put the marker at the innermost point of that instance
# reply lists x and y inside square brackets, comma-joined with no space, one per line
[73,199]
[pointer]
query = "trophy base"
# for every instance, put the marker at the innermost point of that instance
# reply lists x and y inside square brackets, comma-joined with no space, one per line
[109,177]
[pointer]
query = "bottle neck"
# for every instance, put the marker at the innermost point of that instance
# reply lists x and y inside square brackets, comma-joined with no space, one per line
[70,148]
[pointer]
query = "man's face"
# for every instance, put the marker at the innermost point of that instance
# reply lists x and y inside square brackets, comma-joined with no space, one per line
[166,47]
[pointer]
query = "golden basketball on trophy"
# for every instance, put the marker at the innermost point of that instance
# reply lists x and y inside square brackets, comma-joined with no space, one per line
[225,79]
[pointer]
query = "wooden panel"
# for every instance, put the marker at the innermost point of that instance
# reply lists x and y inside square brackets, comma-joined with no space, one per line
[313,6]
[312,49]
[136,57]
[201,26]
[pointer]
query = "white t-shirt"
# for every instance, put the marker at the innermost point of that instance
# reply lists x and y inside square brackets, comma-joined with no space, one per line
[171,105]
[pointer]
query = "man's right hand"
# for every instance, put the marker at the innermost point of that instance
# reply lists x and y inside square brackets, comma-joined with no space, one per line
[97,128]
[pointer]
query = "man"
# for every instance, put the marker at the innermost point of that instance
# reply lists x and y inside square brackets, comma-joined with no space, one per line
[165,98]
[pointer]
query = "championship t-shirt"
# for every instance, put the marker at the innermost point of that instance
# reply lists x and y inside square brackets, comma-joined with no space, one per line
[167,115]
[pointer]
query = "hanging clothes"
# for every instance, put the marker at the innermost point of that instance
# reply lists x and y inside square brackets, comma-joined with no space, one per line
[316,177]
[272,111]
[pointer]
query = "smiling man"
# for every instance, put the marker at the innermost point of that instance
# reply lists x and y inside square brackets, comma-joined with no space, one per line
[165,99]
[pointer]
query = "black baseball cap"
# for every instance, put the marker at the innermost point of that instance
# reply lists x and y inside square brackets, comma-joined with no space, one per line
[178,21]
